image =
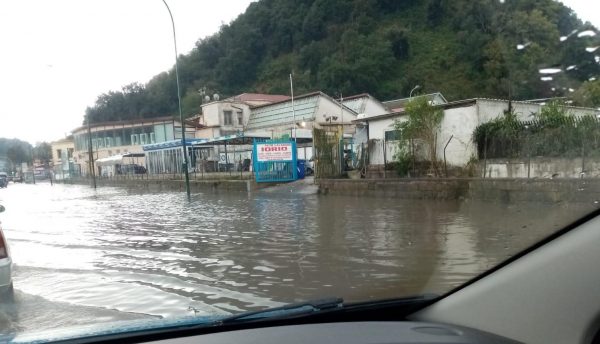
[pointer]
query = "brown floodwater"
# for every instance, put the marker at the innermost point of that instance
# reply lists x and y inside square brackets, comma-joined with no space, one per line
[155,254]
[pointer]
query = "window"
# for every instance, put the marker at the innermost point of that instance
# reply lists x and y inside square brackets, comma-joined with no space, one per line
[108,141]
[227,118]
[59,153]
[143,139]
[135,139]
[240,118]
[393,135]
[152,138]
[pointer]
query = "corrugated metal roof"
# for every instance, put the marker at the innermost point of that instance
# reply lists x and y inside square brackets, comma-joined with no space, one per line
[171,144]
[281,113]
[271,98]
[399,104]
[357,104]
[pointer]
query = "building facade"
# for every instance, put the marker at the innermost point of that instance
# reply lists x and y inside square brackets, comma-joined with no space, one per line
[63,163]
[115,138]
[456,129]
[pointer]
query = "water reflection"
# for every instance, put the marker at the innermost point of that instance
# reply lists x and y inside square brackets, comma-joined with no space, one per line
[159,255]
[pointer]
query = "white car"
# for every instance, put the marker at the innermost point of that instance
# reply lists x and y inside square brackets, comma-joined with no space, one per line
[6,285]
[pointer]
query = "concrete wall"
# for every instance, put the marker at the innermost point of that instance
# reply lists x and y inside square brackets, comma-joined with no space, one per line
[458,123]
[196,186]
[541,168]
[494,190]
[378,128]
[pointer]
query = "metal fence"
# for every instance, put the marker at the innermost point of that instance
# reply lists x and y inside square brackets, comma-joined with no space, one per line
[271,168]
[329,152]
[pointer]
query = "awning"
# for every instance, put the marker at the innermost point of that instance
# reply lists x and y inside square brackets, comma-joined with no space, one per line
[117,159]
[302,136]
[171,144]
[235,139]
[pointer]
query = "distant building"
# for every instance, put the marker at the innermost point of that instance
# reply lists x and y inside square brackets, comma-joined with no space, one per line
[230,116]
[114,138]
[307,111]
[62,150]
[63,163]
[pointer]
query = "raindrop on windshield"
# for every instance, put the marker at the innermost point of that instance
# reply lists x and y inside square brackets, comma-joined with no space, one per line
[571,90]
[550,70]
[587,33]
[592,78]
[571,67]
[546,78]
[591,49]
[522,46]
[563,38]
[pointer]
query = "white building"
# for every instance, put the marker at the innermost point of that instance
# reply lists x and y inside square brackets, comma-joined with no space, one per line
[230,116]
[364,105]
[380,126]
[305,112]
[459,122]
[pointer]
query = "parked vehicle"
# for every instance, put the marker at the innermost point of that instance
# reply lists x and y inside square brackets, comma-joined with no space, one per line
[131,169]
[3,180]
[6,285]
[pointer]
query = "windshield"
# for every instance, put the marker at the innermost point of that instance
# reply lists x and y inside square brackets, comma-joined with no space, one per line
[282,151]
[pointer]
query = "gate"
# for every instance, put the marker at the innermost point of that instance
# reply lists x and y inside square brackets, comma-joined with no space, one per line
[275,160]
[328,152]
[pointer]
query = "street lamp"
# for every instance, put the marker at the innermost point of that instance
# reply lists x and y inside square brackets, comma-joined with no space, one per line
[185,159]
[414,88]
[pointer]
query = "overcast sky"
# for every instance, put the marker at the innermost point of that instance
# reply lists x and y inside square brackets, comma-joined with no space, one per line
[59,55]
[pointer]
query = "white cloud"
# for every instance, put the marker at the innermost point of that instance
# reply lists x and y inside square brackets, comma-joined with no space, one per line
[58,56]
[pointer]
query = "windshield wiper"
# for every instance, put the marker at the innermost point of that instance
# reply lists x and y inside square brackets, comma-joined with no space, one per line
[293,309]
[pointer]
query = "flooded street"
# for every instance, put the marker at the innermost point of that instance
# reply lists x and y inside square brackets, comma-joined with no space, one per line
[84,256]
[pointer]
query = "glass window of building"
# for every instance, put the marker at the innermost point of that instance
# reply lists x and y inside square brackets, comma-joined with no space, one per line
[143,138]
[227,118]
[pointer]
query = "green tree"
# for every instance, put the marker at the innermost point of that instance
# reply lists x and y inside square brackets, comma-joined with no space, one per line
[15,150]
[422,123]
[588,94]
[463,48]
[43,152]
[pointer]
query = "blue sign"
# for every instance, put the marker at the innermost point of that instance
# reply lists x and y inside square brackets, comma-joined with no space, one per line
[275,160]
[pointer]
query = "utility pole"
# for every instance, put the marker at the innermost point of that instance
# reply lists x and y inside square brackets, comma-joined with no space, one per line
[91,153]
[183,143]
[32,166]
[293,108]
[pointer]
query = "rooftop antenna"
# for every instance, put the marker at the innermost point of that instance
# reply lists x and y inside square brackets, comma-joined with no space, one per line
[293,109]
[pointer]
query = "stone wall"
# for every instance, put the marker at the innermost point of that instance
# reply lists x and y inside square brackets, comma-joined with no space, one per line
[179,185]
[541,168]
[503,190]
